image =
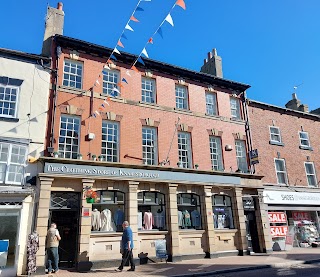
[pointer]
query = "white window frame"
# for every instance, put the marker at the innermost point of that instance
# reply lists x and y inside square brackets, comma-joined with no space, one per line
[235,108]
[8,162]
[72,64]
[275,134]
[62,145]
[211,103]
[9,101]
[181,97]
[313,175]
[185,155]
[115,145]
[216,153]
[304,139]
[150,149]
[281,172]
[241,154]
[110,79]
[148,90]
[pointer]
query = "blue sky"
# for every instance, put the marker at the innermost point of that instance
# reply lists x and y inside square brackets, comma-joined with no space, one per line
[272,45]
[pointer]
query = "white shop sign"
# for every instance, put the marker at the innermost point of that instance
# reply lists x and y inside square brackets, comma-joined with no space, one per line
[291,197]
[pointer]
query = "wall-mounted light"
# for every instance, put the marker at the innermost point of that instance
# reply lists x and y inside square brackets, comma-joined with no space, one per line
[228,147]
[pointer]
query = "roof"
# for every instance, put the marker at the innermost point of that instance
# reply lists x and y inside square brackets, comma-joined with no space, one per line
[150,64]
[22,55]
[266,106]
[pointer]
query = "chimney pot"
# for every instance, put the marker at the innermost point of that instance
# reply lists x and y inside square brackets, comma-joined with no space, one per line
[60,6]
[294,95]
[209,55]
[214,52]
[204,61]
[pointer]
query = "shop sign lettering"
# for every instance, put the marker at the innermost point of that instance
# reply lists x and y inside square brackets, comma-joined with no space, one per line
[298,216]
[277,217]
[291,198]
[278,231]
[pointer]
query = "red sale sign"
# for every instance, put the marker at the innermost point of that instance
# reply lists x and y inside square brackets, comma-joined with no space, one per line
[277,217]
[278,231]
[297,216]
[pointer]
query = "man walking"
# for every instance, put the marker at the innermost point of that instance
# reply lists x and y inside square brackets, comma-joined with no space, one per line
[52,244]
[126,247]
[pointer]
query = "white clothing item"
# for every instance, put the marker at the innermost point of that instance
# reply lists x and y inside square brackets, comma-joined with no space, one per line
[139,220]
[148,220]
[95,220]
[180,219]
[107,223]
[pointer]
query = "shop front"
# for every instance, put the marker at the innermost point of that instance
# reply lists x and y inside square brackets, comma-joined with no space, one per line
[294,218]
[197,213]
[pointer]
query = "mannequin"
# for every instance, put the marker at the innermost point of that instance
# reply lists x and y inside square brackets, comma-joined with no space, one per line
[148,220]
[107,223]
[95,220]
[196,219]
[180,219]
[118,217]
[187,218]
[159,219]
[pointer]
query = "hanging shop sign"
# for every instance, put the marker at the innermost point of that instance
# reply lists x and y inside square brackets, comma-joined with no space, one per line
[278,231]
[254,156]
[291,197]
[277,217]
[161,248]
[248,203]
[133,173]
[298,216]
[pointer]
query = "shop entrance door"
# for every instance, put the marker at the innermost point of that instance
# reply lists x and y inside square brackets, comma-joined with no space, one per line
[64,211]
[252,231]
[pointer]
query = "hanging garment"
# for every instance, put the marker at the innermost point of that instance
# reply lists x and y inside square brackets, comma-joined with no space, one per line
[148,220]
[196,219]
[139,220]
[118,217]
[107,223]
[180,219]
[95,220]
[187,218]
[32,248]
[159,220]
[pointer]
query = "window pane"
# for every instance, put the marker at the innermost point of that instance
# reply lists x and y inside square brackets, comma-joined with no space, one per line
[72,74]
[149,145]
[184,150]
[241,155]
[8,100]
[211,104]
[216,153]
[110,82]
[181,97]
[110,141]
[148,90]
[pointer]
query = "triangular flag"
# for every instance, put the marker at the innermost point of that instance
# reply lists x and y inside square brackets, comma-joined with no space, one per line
[120,44]
[102,105]
[109,61]
[169,19]
[106,101]
[124,80]
[94,115]
[115,89]
[106,67]
[124,36]
[181,3]
[97,82]
[140,60]
[128,27]
[134,19]
[116,50]
[97,112]
[100,108]
[150,40]
[160,32]
[128,73]
[120,85]
[144,52]
[139,9]
[113,57]
[134,68]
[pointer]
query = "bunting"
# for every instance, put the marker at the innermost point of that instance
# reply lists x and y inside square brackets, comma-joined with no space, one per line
[120,44]
[124,80]
[134,19]
[160,32]
[129,28]
[144,52]
[169,19]
[116,51]
[181,4]
[140,61]
[113,57]
[150,40]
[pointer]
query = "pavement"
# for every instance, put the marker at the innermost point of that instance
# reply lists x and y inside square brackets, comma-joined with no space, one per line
[207,267]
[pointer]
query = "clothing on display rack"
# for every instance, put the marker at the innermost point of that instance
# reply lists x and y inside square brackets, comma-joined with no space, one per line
[140,221]
[32,249]
[196,219]
[107,223]
[159,219]
[148,220]
[118,217]
[180,219]
[95,220]
[186,219]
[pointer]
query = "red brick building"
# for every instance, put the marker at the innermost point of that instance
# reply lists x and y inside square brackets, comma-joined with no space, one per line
[172,159]
[287,140]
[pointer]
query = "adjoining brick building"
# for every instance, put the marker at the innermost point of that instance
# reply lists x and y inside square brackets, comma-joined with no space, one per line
[172,151]
[288,140]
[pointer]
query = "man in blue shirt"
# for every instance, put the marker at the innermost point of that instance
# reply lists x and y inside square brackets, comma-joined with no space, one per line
[126,247]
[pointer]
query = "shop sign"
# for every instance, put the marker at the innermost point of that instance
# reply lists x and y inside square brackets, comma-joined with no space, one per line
[298,216]
[279,231]
[133,173]
[248,203]
[277,217]
[85,212]
[254,156]
[161,248]
[291,197]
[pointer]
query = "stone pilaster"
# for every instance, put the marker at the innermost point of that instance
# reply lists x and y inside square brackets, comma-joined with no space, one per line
[173,228]
[207,221]
[239,219]
[132,211]
[85,225]
[263,224]
[43,216]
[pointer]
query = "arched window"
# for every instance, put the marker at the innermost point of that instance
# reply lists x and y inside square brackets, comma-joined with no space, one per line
[108,212]
[222,212]
[151,211]
[189,211]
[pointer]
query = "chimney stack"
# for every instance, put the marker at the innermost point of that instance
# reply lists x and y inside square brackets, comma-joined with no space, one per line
[53,26]
[295,104]
[213,64]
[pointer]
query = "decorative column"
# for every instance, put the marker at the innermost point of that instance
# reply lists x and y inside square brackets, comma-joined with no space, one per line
[43,217]
[132,212]
[85,228]
[173,227]
[240,223]
[263,224]
[207,221]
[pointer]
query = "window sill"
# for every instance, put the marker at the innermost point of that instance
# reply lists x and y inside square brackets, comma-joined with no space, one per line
[103,234]
[72,89]
[148,104]
[216,230]
[236,119]
[8,119]
[276,143]
[306,147]
[152,232]
[191,231]
[213,115]
[183,110]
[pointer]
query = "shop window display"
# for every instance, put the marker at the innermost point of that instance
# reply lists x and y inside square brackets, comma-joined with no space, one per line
[189,211]
[108,211]
[222,212]
[151,211]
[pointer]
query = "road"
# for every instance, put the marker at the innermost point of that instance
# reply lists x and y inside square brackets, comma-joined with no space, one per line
[305,270]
